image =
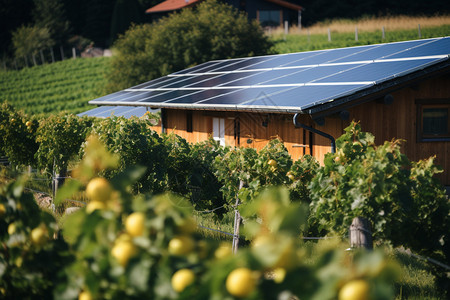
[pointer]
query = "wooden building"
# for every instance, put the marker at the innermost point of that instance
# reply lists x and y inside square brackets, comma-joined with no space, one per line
[396,90]
[271,13]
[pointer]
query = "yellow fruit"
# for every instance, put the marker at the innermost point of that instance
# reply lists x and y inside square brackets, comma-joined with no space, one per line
[99,189]
[279,274]
[95,205]
[11,228]
[241,282]
[134,224]
[291,177]
[28,123]
[182,279]
[2,210]
[39,235]
[123,251]
[13,120]
[85,295]
[181,245]
[272,163]
[355,290]
[222,252]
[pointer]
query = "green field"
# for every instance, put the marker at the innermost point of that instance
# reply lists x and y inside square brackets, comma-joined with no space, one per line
[62,86]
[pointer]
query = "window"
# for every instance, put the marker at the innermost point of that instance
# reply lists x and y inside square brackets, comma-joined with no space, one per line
[269,17]
[189,121]
[219,130]
[433,120]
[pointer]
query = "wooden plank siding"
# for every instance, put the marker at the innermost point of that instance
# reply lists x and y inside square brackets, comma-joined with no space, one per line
[386,122]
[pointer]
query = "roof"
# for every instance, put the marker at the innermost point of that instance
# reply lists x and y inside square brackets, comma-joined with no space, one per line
[306,82]
[170,5]
[286,4]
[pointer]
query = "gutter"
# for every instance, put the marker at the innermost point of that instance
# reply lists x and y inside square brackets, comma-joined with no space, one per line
[324,134]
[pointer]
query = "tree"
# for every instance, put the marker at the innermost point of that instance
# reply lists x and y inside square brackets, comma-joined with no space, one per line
[28,40]
[50,14]
[125,13]
[212,31]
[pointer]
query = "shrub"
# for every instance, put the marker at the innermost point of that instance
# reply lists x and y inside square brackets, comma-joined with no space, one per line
[210,31]
[29,40]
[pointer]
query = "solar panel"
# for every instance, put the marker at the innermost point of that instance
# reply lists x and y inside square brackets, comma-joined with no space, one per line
[119,111]
[284,82]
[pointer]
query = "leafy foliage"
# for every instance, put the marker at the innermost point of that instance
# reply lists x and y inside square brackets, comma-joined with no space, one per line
[18,141]
[60,138]
[401,199]
[30,259]
[212,31]
[28,40]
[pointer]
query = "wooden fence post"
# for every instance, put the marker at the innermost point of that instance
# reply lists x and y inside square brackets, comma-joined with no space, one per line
[383,33]
[237,221]
[361,234]
[420,32]
[52,54]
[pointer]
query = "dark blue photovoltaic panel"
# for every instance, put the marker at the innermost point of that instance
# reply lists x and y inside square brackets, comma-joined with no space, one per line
[150,83]
[96,111]
[306,96]
[170,95]
[377,72]
[328,56]
[188,80]
[202,95]
[198,67]
[380,51]
[220,64]
[244,63]
[222,79]
[311,74]
[134,112]
[260,77]
[137,96]
[112,96]
[281,60]
[245,95]
[439,47]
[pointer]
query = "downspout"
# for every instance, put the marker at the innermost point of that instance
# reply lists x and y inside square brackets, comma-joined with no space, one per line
[163,120]
[326,135]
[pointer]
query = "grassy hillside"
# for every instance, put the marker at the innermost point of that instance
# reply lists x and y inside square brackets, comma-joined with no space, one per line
[62,86]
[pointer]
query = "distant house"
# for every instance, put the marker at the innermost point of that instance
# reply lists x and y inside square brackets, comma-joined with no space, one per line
[396,90]
[271,13]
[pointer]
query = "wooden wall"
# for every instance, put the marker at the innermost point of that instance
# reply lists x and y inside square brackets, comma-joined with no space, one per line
[386,122]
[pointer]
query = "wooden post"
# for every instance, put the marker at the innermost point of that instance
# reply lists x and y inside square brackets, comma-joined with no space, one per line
[62,52]
[74,53]
[237,221]
[53,54]
[34,60]
[286,29]
[329,35]
[42,56]
[383,33]
[361,234]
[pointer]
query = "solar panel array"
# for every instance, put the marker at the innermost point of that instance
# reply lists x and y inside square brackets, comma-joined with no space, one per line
[119,111]
[285,82]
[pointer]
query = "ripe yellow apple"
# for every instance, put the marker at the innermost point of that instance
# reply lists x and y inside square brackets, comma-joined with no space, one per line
[291,177]
[134,224]
[223,251]
[39,235]
[99,189]
[93,205]
[181,245]
[2,210]
[182,279]
[123,251]
[28,123]
[273,163]
[355,290]
[241,282]
[85,295]
[12,228]
[279,274]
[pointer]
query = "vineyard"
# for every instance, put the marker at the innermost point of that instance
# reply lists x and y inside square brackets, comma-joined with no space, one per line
[62,86]
[137,237]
